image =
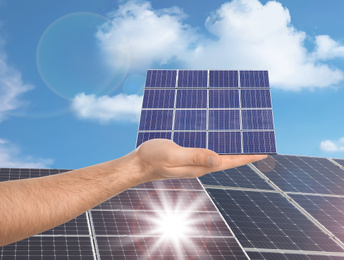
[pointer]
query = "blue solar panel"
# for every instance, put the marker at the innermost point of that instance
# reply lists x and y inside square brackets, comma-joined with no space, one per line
[267,220]
[156,120]
[190,139]
[258,142]
[254,79]
[223,78]
[192,79]
[257,119]
[224,120]
[223,98]
[225,142]
[162,98]
[305,174]
[254,98]
[231,108]
[161,78]
[191,98]
[190,120]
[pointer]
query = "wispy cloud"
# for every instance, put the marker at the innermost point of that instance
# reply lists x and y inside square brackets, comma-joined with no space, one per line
[12,157]
[245,35]
[105,109]
[332,146]
[11,85]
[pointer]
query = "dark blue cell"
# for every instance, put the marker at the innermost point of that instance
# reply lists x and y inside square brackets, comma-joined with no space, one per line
[257,119]
[259,142]
[192,78]
[255,98]
[195,98]
[223,78]
[225,142]
[220,98]
[156,120]
[162,98]
[190,120]
[145,136]
[254,79]
[224,119]
[190,139]
[161,79]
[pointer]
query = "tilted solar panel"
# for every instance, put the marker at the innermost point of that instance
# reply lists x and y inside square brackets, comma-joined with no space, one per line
[229,112]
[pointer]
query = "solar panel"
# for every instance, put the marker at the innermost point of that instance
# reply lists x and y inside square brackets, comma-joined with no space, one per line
[267,220]
[229,112]
[281,208]
[304,174]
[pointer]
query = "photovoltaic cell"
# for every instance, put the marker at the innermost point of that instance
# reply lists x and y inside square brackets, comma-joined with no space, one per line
[224,120]
[257,119]
[254,79]
[191,98]
[190,139]
[225,142]
[258,142]
[190,120]
[223,78]
[162,98]
[192,79]
[254,98]
[231,116]
[220,98]
[156,120]
[161,78]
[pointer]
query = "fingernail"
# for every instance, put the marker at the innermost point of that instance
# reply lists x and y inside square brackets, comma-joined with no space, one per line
[213,161]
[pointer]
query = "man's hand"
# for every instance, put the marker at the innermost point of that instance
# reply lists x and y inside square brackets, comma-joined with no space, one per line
[31,206]
[163,159]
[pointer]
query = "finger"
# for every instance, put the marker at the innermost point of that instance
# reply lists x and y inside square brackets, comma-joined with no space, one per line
[232,161]
[197,157]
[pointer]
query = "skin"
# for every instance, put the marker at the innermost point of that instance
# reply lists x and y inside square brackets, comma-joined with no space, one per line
[32,206]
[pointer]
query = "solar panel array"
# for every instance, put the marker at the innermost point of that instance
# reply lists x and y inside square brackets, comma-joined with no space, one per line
[292,209]
[229,112]
[284,207]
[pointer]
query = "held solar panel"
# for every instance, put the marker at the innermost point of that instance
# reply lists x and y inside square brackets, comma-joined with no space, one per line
[229,112]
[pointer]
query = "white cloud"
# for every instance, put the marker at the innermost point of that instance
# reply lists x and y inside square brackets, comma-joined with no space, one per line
[249,35]
[151,36]
[332,146]
[105,108]
[327,48]
[12,157]
[11,86]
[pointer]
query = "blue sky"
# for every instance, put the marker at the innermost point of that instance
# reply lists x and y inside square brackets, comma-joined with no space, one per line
[72,72]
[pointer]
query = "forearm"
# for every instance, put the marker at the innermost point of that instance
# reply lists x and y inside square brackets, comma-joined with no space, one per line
[32,206]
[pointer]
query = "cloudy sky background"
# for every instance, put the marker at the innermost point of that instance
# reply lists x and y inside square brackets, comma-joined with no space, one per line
[72,74]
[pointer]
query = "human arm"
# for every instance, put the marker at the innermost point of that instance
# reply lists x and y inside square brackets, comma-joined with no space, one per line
[31,206]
